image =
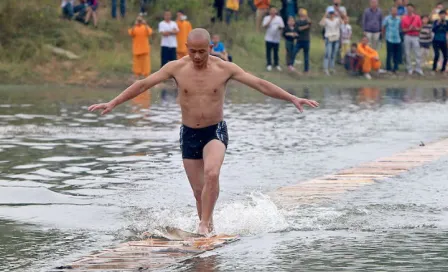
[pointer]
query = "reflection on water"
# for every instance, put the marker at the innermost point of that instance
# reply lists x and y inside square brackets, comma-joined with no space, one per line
[73,181]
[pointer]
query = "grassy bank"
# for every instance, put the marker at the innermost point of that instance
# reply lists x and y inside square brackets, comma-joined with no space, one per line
[26,27]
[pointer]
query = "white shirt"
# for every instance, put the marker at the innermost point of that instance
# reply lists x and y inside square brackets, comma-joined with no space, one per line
[332,28]
[65,2]
[274,30]
[168,41]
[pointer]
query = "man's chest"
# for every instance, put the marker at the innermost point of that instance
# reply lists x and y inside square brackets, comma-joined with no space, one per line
[201,83]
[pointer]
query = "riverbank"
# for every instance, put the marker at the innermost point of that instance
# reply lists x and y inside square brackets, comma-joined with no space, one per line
[101,57]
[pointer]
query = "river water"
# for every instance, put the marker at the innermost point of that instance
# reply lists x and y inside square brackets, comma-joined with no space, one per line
[72,182]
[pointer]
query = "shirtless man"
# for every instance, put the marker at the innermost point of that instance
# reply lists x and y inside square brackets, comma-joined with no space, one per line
[201,81]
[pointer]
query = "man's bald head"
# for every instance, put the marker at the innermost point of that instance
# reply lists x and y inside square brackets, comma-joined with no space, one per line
[199,35]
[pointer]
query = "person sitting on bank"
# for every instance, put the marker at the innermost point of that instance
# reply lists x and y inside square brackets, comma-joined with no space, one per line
[219,50]
[369,58]
[351,60]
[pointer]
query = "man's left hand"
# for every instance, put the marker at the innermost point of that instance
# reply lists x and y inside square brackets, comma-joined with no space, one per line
[299,102]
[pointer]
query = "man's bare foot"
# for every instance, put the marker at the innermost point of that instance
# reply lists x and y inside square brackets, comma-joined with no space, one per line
[205,229]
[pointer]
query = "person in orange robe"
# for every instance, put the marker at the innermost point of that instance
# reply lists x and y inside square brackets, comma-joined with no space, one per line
[140,33]
[184,29]
[369,58]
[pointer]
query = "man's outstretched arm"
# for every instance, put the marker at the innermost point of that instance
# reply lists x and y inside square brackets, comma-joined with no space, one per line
[268,88]
[135,89]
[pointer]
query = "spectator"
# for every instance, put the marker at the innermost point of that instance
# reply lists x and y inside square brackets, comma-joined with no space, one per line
[411,25]
[401,8]
[274,26]
[425,40]
[262,10]
[92,6]
[339,11]
[303,41]
[346,33]
[122,8]
[332,25]
[351,60]
[218,49]
[169,30]
[143,7]
[232,7]
[440,30]
[185,28]
[369,58]
[80,11]
[290,34]
[289,8]
[67,9]
[140,34]
[371,24]
[219,7]
[435,12]
[391,31]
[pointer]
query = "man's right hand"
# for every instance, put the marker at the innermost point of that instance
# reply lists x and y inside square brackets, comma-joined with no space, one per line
[106,107]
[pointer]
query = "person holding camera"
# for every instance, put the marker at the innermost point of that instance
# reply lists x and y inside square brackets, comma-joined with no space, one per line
[140,33]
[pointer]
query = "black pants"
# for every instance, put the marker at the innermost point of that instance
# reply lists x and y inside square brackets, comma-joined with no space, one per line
[168,54]
[439,46]
[393,54]
[269,47]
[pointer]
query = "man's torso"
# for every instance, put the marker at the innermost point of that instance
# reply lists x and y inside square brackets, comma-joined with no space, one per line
[373,20]
[273,32]
[440,32]
[411,20]
[168,41]
[393,29]
[304,35]
[201,92]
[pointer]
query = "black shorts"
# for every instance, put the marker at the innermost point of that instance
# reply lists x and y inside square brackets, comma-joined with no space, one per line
[193,140]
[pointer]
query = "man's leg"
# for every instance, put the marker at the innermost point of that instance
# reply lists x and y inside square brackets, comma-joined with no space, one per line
[445,56]
[389,55]
[306,55]
[407,49]
[114,9]
[268,54]
[123,8]
[275,48]
[214,153]
[195,174]
[417,53]
[396,49]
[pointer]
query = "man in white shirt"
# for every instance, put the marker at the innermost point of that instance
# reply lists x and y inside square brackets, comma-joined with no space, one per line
[168,29]
[274,26]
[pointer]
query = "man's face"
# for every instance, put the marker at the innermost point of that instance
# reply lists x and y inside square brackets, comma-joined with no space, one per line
[442,16]
[399,2]
[439,7]
[273,11]
[199,50]
[167,16]
[410,9]
[365,41]
[179,15]
[354,49]
[337,2]
[394,11]
[373,3]
[215,39]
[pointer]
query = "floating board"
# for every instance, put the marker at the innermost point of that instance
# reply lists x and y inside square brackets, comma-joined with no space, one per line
[169,246]
[332,186]
[160,250]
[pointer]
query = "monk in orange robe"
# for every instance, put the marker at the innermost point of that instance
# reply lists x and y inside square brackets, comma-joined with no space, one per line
[369,58]
[140,34]
[184,29]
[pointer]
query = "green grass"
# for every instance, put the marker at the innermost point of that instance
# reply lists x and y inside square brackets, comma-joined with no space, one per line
[26,26]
